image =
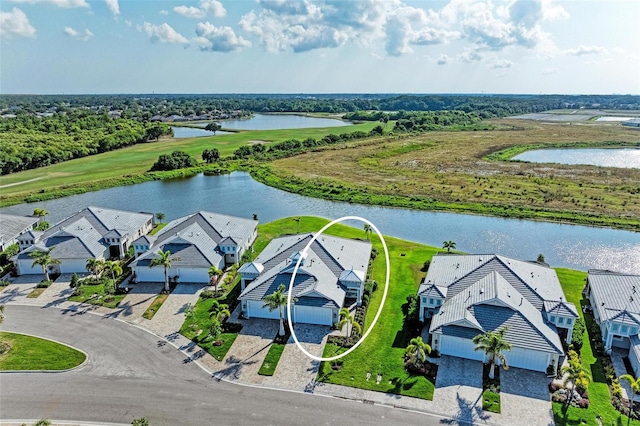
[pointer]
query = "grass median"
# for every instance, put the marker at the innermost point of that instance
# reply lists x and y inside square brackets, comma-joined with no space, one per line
[34,353]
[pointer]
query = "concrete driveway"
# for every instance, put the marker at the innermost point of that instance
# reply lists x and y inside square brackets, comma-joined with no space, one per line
[139,298]
[169,318]
[524,397]
[20,287]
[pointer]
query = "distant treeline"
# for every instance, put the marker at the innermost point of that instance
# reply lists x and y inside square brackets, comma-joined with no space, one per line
[28,141]
[144,107]
[420,121]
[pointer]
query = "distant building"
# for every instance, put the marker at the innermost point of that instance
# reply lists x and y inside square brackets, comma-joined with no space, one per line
[11,227]
[632,123]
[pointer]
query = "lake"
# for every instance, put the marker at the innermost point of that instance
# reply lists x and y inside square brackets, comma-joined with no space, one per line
[625,158]
[191,132]
[578,247]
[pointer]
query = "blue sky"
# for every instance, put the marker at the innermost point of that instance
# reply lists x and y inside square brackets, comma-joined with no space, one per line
[320,46]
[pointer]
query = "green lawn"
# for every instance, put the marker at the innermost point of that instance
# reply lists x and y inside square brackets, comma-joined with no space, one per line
[383,351]
[36,292]
[600,400]
[270,362]
[138,159]
[491,401]
[153,308]
[95,295]
[34,353]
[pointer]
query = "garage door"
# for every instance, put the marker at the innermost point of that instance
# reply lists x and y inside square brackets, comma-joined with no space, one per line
[457,346]
[188,275]
[25,267]
[155,274]
[255,309]
[313,315]
[527,359]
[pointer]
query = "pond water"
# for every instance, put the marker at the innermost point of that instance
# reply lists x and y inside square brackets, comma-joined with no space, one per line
[280,121]
[625,158]
[190,132]
[572,246]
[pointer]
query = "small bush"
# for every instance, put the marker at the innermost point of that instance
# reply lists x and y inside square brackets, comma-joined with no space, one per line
[207,294]
[44,284]
[553,386]
[583,403]
[578,331]
[4,283]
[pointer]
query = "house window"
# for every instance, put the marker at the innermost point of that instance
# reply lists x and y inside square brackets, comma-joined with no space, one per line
[438,302]
[552,318]
[424,300]
[431,301]
[634,330]
[560,320]
[568,321]
[624,328]
[615,327]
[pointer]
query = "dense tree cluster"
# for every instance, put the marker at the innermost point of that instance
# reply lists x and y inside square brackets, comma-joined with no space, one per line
[28,141]
[211,155]
[175,160]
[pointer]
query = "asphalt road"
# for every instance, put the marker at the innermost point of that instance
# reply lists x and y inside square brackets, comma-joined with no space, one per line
[131,373]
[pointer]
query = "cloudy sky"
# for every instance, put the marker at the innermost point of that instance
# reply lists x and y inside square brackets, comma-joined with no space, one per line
[320,46]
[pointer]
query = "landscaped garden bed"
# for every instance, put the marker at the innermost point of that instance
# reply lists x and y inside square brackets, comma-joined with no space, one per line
[491,389]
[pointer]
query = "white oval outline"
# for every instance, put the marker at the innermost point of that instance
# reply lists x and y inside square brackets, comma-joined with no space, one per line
[295,271]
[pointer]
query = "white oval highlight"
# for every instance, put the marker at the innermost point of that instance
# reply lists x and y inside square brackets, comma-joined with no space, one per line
[384,295]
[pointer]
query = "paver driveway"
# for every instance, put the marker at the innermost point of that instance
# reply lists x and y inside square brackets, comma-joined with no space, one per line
[20,287]
[458,392]
[524,395]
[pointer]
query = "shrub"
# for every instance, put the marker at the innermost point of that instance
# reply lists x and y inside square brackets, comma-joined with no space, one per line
[75,281]
[207,294]
[554,386]
[425,266]
[616,389]
[558,397]
[4,283]
[44,284]
[173,161]
[578,331]
[583,403]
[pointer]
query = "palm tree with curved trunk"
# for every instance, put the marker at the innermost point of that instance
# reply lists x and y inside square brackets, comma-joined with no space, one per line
[277,300]
[164,260]
[95,266]
[214,276]
[114,268]
[492,343]
[349,320]
[449,245]
[219,310]
[367,230]
[44,259]
[417,351]
[634,384]
[575,374]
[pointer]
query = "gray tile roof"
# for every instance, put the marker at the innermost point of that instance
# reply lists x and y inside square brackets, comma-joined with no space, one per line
[616,296]
[484,293]
[196,238]
[635,345]
[11,226]
[561,308]
[104,220]
[318,276]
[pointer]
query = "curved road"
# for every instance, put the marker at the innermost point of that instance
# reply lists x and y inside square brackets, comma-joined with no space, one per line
[131,373]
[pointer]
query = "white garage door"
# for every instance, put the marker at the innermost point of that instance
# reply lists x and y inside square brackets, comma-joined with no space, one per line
[188,275]
[24,265]
[527,359]
[457,346]
[255,309]
[313,315]
[69,266]
[146,274]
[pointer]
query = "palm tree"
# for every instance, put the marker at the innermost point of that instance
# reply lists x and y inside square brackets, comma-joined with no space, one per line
[114,268]
[347,318]
[635,390]
[449,245]
[297,219]
[417,351]
[276,300]
[44,259]
[95,266]
[164,260]
[493,344]
[214,275]
[575,373]
[40,212]
[160,216]
[219,310]
[367,230]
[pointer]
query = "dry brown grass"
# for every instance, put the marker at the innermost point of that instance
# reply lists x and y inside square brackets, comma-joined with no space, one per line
[450,167]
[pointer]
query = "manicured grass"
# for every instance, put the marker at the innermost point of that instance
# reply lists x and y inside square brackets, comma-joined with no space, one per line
[36,292]
[491,401]
[157,228]
[383,351]
[95,295]
[108,169]
[155,306]
[34,353]
[600,400]
[449,171]
[270,362]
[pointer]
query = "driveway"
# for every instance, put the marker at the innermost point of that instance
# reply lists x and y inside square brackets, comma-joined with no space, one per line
[139,298]
[524,397]
[169,318]
[20,287]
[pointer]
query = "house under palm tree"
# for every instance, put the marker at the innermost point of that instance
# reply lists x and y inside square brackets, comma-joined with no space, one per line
[332,270]
[463,296]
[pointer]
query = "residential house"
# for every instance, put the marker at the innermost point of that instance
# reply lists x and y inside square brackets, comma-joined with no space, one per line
[94,232]
[615,300]
[463,296]
[332,270]
[196,242]
[11,227]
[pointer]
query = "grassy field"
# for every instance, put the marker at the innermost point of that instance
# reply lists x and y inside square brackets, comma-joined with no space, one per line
[34,353]
[109,168]
[383,351]
[453,171]
[600,400]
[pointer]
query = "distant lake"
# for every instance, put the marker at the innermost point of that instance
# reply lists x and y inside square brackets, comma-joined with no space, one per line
[190,132]
[624,158]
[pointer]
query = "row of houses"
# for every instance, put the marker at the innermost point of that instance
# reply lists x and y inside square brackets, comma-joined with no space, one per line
[462,295]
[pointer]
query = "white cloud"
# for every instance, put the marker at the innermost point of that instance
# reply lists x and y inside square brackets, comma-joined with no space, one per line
[549,71]
[163,33]
[113,7]
[218,39]
[470,55]
[443,59]
[80,35]
[212,7]
[501,63]
[60,3]
[190,12]
[585,50]
[164,12]
[16,23]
